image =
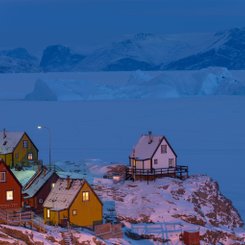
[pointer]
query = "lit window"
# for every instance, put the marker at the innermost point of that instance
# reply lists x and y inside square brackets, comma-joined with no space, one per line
[2,177]
[85,196]
[163,148]
[29,156]
[25,143]
[48,213]
[9,195]
[74,212]
[155,161]
[171,162]
[53,185]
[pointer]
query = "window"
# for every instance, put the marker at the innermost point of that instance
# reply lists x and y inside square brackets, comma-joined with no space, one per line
[171,162]
[155,161]
[9,195]
[2,177]
[40,200]
[163,148]
[85,196]
[29,156]
[52,185]
[16,155]
[48,213]
[25,143]
[74,212]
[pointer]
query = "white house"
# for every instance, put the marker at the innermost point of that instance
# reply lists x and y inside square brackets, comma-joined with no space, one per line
[152,152]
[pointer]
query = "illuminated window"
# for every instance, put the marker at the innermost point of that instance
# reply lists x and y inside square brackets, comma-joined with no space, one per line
[2,177]
[155,161]
[85,196]
[29,156]
[163,148]
[74,212]
[9,195]
[48,213]
[53,185]
[25,143]
[171,162]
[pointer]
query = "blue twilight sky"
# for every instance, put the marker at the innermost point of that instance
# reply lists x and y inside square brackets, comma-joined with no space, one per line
[35,24]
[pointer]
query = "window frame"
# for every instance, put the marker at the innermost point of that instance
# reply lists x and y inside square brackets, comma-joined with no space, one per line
[30,156]
[164,149]
[48,213]
[12,196]
[84,197]
[3,180]
[25,144]
[171,162]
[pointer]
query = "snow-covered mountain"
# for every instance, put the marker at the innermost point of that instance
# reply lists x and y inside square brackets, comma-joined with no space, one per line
[144,51]
[141,85]
[59,58]
[17,60]
[229,53]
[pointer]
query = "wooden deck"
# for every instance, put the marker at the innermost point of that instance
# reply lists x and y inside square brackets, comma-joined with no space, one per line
[179,171]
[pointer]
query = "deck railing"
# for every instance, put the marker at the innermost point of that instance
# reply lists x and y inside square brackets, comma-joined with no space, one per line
[179,171]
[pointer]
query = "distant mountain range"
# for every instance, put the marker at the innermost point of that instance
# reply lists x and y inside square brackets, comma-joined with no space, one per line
[142,51]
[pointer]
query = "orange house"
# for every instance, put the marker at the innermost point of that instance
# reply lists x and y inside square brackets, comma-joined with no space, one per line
[10,188]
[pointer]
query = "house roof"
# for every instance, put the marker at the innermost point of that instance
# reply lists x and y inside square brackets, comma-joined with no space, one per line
[37,182]
[9,140]
[60,197]
[147,146]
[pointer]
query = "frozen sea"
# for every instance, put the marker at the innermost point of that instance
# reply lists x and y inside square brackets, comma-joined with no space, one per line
[207,132]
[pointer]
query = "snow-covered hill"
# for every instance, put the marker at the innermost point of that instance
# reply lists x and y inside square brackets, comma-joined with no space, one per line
[142,85]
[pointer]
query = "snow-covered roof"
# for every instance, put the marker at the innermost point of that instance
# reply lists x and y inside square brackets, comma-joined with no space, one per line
[146,147]
[60,197]
[9,140]
[38,182]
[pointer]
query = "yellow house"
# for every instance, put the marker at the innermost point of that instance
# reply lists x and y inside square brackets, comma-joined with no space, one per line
[16,148]
[73,201]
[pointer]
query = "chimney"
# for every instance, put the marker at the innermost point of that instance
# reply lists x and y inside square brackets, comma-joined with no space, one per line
[150,139]
[68,182]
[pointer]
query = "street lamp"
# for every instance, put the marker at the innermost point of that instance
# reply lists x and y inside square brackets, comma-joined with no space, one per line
[49,151]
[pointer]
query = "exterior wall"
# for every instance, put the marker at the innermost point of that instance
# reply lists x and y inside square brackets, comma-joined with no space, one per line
[56,217]
[10,184]
[163,158]
[88,212]
[43,193]
[7,159]
[20,152]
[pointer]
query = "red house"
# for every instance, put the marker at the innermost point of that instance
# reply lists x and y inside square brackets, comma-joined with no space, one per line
[38,187]
[10,189]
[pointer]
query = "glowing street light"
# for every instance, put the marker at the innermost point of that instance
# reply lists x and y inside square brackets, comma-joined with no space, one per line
[49,133]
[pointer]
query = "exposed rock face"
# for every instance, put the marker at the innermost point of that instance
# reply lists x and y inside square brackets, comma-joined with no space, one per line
[196,201]
[59,58]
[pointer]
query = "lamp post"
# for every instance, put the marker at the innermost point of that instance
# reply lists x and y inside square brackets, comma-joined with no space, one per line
[49,149]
